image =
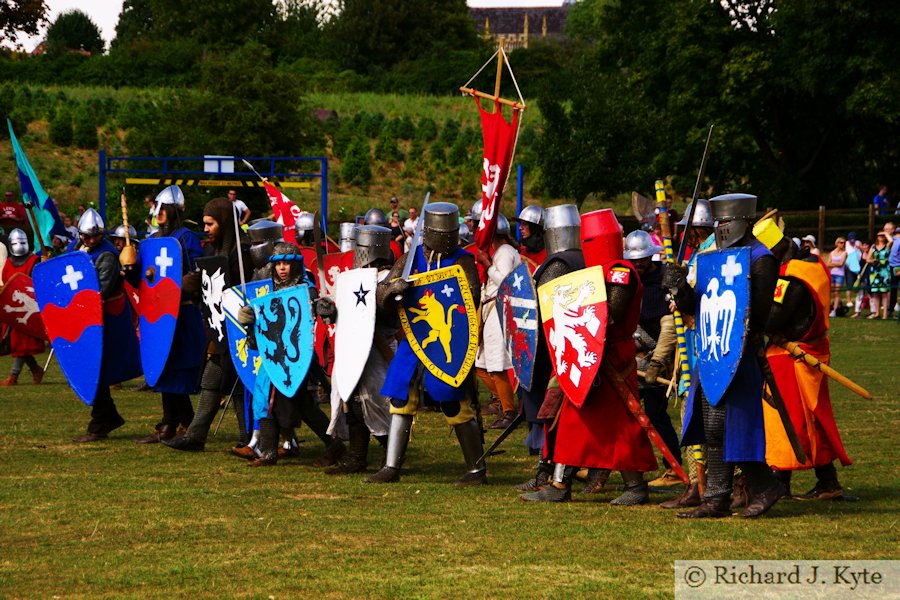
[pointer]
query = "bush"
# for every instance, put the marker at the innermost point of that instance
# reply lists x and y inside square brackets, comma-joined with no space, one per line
[437,154]
[406,129]
[371,124]
[386,147]
[61,132]
[459,152]
[85,134]
[357,167]
[449,132]
[416,151]
[427,129]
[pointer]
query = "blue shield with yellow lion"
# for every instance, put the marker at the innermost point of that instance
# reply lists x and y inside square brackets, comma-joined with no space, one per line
[247,361]
[439,319]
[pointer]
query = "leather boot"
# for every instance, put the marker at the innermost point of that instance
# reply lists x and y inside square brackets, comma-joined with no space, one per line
[596,479]
[398,440]
[333,453]
[740,494]
[710,508]
[469,436]
[163,431]
[11,380]
[785,478]
[762,501]
[540,480]
[268,444]
[356,459]
[37,375]
[636,490]
[503,421]
[689,499]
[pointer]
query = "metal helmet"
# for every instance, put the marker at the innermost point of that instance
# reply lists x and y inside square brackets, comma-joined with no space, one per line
[476,210]
[502,225]
[601,237]
[533,215]
[286,251]
[264,234]
[348,237]
[441,227]
[373,245]
[90,223]
[376,216]
[562,228]
[702,215]
[305,221]
[170,195]
[18,242]
[733,214]
[119,232]
[639,244]
[465,234]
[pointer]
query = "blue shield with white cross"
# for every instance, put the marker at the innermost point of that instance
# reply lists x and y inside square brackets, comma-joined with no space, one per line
[158,302]
[518,312]
[723,314]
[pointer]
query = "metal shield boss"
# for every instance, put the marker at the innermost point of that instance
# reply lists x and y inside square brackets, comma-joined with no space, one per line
[68,294]
[440,321]
[354,297]
[214,278]
[723,288]
[517,309]
[284,336]
[247,361]
[159,298]
[20,308]
[574,314]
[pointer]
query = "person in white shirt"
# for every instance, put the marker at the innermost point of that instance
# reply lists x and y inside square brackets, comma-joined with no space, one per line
[240,206]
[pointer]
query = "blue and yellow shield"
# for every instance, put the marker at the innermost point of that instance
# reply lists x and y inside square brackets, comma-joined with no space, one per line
[440,321]
[723,290]
[284,336]
[247,361]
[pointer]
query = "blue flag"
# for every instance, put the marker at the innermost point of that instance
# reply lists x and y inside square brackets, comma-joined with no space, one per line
[48,221]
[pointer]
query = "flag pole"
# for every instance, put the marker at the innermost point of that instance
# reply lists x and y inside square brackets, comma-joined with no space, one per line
[29,207]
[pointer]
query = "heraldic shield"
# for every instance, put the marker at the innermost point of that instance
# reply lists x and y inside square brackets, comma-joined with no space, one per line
[441,324]
[574,314]
[284,336]
[20,307]
[247,361]
[517,308]
[723,288]
[354,296]
[159,299]
[68,294]
[214,278]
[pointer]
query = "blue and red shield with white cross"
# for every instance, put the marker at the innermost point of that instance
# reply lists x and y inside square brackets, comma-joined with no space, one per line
[159,299]
[723,290]
[68,294]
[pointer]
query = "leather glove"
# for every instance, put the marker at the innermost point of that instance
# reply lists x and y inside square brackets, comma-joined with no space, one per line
[675,277]
[654,370]
[190,284]
[326,309]
[246,316]
[397,288]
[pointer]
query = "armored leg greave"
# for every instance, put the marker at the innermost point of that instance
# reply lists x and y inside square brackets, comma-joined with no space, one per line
[719,474]
[469,436]
[398,440]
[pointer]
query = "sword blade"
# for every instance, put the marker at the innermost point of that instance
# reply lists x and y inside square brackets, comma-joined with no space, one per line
[512,427]
[320,253]
[417,237]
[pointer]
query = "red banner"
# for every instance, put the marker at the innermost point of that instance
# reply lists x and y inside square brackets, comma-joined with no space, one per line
[499,142]
[284,212]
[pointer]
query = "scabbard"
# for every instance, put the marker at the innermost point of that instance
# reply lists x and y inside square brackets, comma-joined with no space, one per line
[776,401]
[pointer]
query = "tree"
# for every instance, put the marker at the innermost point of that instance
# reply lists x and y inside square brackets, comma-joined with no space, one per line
[21,16]
[135,23]
[74,30]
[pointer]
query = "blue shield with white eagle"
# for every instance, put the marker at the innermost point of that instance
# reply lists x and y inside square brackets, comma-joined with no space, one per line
[284,336]
[518,312]
[723,314]
[247,361]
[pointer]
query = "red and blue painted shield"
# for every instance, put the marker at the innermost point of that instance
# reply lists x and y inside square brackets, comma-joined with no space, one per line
[723,290]
[284,336]
[159,299]
[247,361]
[517,308]
[439,319]
[68,293]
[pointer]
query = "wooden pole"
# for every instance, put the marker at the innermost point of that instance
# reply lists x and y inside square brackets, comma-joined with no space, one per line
[821,239]
[871,222]
[499,70]
[474,92]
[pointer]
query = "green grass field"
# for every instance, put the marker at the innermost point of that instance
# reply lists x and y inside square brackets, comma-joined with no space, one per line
[114,519]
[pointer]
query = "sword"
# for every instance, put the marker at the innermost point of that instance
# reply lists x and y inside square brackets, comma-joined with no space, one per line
[505,434]
[320,253]
[682,249]
[417,237]
[225,409]
[776,401]
[49,358]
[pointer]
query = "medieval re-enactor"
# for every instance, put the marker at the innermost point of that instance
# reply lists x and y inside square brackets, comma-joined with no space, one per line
[366,412]
[733,429]
[181,375]
[800,315]
[407,379]
[602,434]
[23,347]
[219,377]
[121,353]
[531,226]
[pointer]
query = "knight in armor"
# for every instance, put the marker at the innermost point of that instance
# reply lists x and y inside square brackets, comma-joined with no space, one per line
[492,361]
[23,346]
[562,237]
[181,375]
[275,411]
[366,412]
[800,315]
[117,237]
[699,238]
[531,226]
[733,430]
[655,339]
[121,353]
[407,379]
[603,435]
[219,378]
[376,216]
